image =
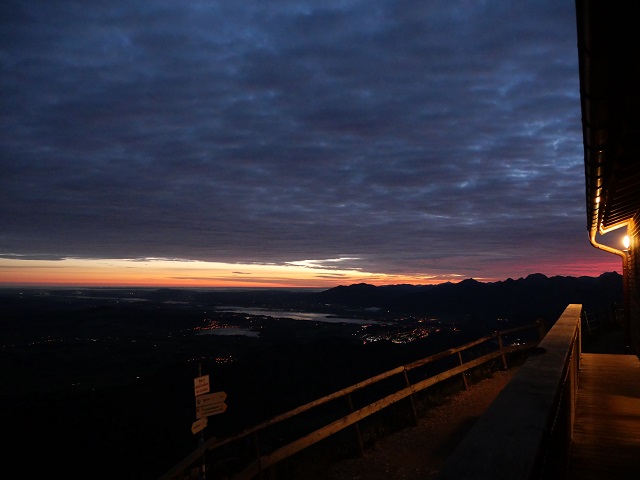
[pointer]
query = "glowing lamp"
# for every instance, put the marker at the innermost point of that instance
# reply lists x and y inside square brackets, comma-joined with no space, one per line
[626,241]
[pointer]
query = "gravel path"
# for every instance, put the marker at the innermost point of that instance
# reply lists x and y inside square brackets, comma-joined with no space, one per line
[419,452]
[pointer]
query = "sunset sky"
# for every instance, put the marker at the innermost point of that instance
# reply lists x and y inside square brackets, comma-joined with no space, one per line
[291,143]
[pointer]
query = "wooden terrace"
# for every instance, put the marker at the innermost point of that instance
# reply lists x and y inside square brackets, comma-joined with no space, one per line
[565,415]
[606,432]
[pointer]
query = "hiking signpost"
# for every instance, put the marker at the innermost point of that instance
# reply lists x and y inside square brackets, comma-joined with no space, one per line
[198,425]
[201,384]
[210,404]
[207,404]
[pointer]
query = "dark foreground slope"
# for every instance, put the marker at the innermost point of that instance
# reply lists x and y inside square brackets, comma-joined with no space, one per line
[99,383]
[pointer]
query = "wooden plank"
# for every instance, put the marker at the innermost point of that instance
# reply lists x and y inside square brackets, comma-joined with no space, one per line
[370,381]
[606,437]
[447,353]
[348,420]
[308,406]
[334,427]
[518,329]
[453,372]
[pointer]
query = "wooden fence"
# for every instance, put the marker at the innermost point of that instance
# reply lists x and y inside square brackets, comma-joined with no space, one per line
[526,432]
[487,348]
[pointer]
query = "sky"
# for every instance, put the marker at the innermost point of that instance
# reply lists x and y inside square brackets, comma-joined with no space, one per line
[291,143]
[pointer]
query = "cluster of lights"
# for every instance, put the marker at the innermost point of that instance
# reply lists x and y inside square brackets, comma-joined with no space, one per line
[225,360]
[404,337]
[212,325]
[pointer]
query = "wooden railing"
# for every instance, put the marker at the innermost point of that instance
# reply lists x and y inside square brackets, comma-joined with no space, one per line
[599,321]
[189,467]
[526,432]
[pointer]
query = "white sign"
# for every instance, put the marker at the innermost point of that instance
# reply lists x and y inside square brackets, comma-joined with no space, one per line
[201,385]
[210,398]
[198,425]
[212,409]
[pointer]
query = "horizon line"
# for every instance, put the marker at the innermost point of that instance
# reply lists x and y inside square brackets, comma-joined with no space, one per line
[62,285]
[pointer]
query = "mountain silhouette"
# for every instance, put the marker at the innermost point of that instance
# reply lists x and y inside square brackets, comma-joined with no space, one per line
[535,296]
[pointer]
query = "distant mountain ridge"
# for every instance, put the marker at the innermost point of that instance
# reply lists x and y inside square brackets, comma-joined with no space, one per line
[533,296]
[525,299]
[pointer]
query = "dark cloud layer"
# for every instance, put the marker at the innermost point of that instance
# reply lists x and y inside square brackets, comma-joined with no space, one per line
[418,137]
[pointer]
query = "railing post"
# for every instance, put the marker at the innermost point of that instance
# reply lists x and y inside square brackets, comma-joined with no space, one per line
[464,374]
[542,331]
[563,430]
[411,397]
[577,352]
[256,446]
[504,357]
[586,322]
[356,428]
[573,382]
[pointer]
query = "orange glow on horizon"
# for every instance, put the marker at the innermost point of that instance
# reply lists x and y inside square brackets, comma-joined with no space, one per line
[74,272]
[176,273]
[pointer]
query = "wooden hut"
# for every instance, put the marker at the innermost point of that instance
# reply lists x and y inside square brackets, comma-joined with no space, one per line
[609,56]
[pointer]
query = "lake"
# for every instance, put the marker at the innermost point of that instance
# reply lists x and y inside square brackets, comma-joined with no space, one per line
[303,316]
